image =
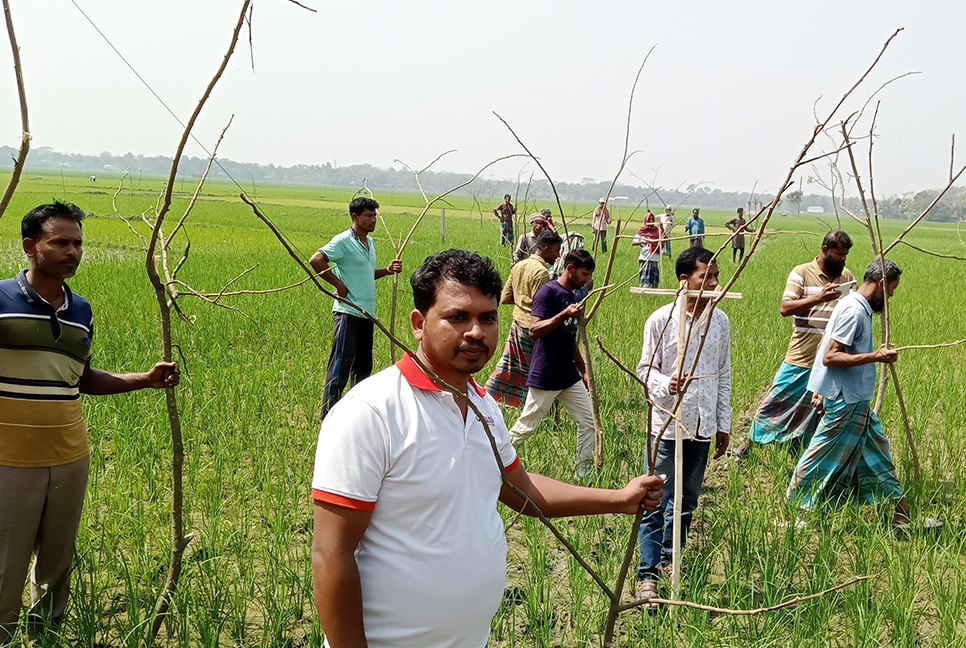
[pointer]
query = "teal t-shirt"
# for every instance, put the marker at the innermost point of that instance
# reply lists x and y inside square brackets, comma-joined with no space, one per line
[356,267]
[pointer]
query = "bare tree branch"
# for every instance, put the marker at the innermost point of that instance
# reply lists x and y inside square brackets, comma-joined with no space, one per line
[24,122]
[204,176]
[179,540]
[563,216]
[731,612]
[295,2]
[935,254]
[930,346]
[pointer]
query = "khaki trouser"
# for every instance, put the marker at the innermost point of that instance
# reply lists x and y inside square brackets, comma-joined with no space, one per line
[577,401]
[40,511]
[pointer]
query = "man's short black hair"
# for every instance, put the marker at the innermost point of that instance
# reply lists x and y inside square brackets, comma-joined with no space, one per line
[688,260]
[837,240]
[506,195]
[468,268]
[360,204]
[546,238]
[580,259]
[873,271]
[32,225]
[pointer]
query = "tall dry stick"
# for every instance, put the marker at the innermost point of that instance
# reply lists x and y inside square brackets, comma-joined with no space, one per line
[766,212]
[876,250]
[179,541]
[24,122]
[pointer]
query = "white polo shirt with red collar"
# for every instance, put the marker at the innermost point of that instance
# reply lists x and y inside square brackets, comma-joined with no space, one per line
[433,560]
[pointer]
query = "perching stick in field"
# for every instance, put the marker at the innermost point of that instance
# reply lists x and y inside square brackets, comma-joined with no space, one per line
[876,247]
[766,213]
[157,246]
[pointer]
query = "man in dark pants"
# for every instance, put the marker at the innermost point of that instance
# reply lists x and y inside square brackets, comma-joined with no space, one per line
[353,273]
[46,334]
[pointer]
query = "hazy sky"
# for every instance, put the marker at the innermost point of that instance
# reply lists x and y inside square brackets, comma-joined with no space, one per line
[725,98]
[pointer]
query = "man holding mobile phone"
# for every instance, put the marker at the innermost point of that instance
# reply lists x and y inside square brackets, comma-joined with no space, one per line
[786,415]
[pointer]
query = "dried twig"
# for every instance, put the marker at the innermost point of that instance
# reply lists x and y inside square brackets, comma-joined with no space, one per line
[120,186]
[931,253]
[429,203]
[563,216]
[204,176]
[179,540]
[24,122]
[876,247]
[732,612]
[627,132]
[295,2]
[930,346]
[925,211]
[215,296]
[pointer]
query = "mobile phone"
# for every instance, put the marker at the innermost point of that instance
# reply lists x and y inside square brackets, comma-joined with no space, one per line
[846,288]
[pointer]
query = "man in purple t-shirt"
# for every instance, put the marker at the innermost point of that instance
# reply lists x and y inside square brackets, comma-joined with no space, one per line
[556,368]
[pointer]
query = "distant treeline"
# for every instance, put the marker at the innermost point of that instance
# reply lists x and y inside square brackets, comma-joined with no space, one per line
[485,189]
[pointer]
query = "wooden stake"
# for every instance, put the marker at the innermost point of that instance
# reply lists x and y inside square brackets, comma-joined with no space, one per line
[678,451]
[667,292]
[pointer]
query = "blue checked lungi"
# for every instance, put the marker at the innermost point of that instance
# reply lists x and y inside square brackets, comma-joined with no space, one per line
[786,413]
[508,383]
[649,274]
[848,455]
[506,233]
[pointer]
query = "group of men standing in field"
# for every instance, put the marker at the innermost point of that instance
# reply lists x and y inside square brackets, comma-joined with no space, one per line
[408,546]
[374,453]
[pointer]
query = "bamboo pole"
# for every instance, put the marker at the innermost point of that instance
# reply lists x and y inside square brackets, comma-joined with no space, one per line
[668,292]
[678,451]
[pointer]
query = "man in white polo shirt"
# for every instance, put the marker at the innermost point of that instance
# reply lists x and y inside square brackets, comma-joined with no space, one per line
[409,548]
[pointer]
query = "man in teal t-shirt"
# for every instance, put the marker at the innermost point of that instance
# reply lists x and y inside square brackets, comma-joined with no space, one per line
[348,262]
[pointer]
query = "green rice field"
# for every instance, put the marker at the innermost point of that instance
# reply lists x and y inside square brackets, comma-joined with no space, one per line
[251,394]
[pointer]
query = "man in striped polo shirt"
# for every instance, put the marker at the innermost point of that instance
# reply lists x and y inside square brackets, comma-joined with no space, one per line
[811,293]
[45,352]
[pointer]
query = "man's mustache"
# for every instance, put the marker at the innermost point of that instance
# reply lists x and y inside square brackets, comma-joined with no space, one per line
[476,346]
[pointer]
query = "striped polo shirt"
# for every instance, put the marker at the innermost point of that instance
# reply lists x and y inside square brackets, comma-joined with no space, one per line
[807,330]
[43,353]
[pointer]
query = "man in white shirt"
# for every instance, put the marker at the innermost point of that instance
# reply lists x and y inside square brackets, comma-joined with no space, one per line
[705,408]
[409,548]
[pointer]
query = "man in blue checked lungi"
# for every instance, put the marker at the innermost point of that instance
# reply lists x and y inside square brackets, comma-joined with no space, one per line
[813,289]
[849,454]
[508,383]
[505,211]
